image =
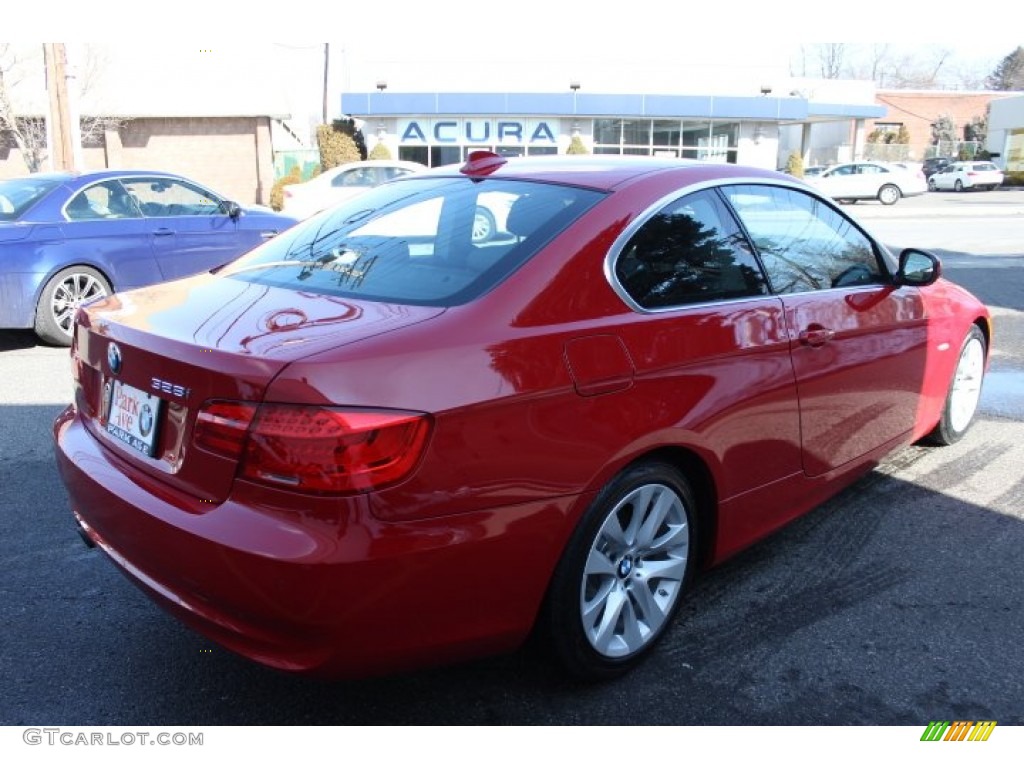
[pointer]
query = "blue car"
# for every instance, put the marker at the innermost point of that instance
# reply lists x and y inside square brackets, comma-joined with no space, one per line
[70,238]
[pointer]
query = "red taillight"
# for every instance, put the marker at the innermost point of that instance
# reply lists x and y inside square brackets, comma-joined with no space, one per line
[314,448]
[221,426]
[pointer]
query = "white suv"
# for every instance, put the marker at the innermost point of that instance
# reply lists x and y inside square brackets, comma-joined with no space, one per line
[967,175]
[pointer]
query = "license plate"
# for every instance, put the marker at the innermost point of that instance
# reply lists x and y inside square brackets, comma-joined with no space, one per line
[133,416]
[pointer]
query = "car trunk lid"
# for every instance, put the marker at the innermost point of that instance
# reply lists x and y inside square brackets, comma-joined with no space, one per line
[146,361]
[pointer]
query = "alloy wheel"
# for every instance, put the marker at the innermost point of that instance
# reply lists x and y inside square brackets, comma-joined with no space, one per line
[966,391]
[635,571]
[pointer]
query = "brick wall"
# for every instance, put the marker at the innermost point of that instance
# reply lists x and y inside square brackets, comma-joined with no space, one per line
[231,155]
[917,110]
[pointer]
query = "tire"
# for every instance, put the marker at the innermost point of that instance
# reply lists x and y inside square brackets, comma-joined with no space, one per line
[620,581]
[484,226]
[931,186]
[958,186]
[889,194]
[63,294]
[961,404]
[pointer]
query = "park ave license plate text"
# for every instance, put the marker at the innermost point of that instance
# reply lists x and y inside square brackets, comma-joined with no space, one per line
[133,417]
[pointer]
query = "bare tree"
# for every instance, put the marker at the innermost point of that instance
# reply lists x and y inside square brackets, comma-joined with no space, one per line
[26,126]
[886,65]
[27,131]
[831,57]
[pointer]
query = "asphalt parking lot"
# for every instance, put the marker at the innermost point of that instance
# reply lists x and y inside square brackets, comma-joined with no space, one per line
[897,603]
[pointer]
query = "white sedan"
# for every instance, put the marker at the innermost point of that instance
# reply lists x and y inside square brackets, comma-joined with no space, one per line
[967,175]
[341,183]
[885,182]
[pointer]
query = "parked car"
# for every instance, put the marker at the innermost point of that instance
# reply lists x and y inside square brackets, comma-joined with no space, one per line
[359,449]
[935,164]
[967,175]
[341,183]
[70,238]
[814,170]
[885,182]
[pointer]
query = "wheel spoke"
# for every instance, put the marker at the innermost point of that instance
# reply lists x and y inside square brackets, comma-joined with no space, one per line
[647,607]
[593,609]
[671,569]
[611,533]
[632,633]
[599,564]
[603,635]
[676,538]
[640,502]
[654,518]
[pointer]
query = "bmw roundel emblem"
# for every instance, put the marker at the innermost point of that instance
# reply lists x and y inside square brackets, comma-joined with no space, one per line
[145,420]
[114,358]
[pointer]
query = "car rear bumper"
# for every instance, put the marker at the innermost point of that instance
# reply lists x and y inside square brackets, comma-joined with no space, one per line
[18,299]
[331,591]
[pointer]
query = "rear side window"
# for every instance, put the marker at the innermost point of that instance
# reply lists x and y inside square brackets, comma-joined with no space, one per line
[805,244]
[430,241]
[18,195]
[689,252]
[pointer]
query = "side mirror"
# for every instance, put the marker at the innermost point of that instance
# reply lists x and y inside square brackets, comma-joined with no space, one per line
[231,208]
[918,268]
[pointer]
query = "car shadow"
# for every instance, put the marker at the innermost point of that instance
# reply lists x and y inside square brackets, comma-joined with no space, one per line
[11,340]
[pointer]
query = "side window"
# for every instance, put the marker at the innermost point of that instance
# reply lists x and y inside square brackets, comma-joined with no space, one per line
[90,203]
[107,200]
[804,244]
[357,177]
[689,252]
[170,197]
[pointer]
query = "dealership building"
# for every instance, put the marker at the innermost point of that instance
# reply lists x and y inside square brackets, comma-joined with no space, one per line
[438,128]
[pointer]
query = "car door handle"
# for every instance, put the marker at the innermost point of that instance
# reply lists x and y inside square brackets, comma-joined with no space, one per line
[816,336]
[163,232]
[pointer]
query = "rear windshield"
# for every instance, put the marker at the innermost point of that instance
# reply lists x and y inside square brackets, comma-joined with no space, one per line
[18,195]
[426,241]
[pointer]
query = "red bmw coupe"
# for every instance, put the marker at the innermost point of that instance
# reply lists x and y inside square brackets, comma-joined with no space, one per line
[373,443]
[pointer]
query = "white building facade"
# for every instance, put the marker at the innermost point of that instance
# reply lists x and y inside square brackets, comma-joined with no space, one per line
[442,128]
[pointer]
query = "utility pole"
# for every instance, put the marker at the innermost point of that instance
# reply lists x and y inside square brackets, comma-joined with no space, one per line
[62,143]
[327,70]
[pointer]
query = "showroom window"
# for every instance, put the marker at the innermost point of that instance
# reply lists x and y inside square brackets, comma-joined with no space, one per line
[714,140]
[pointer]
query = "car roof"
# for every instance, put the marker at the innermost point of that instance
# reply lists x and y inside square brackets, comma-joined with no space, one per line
[603,172]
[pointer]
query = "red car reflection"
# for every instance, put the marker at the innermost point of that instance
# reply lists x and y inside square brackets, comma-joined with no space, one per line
[375,443]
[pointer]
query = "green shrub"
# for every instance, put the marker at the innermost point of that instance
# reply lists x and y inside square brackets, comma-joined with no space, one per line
[294,176]
[795,165]
[336,147]
[380,151]
[1014,179]
[577,147]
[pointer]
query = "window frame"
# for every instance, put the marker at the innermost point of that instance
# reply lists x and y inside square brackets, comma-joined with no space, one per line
[727,228]
[883,257]
[886,259]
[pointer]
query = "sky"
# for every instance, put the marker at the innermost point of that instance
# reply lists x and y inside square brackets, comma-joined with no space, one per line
[657,46]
